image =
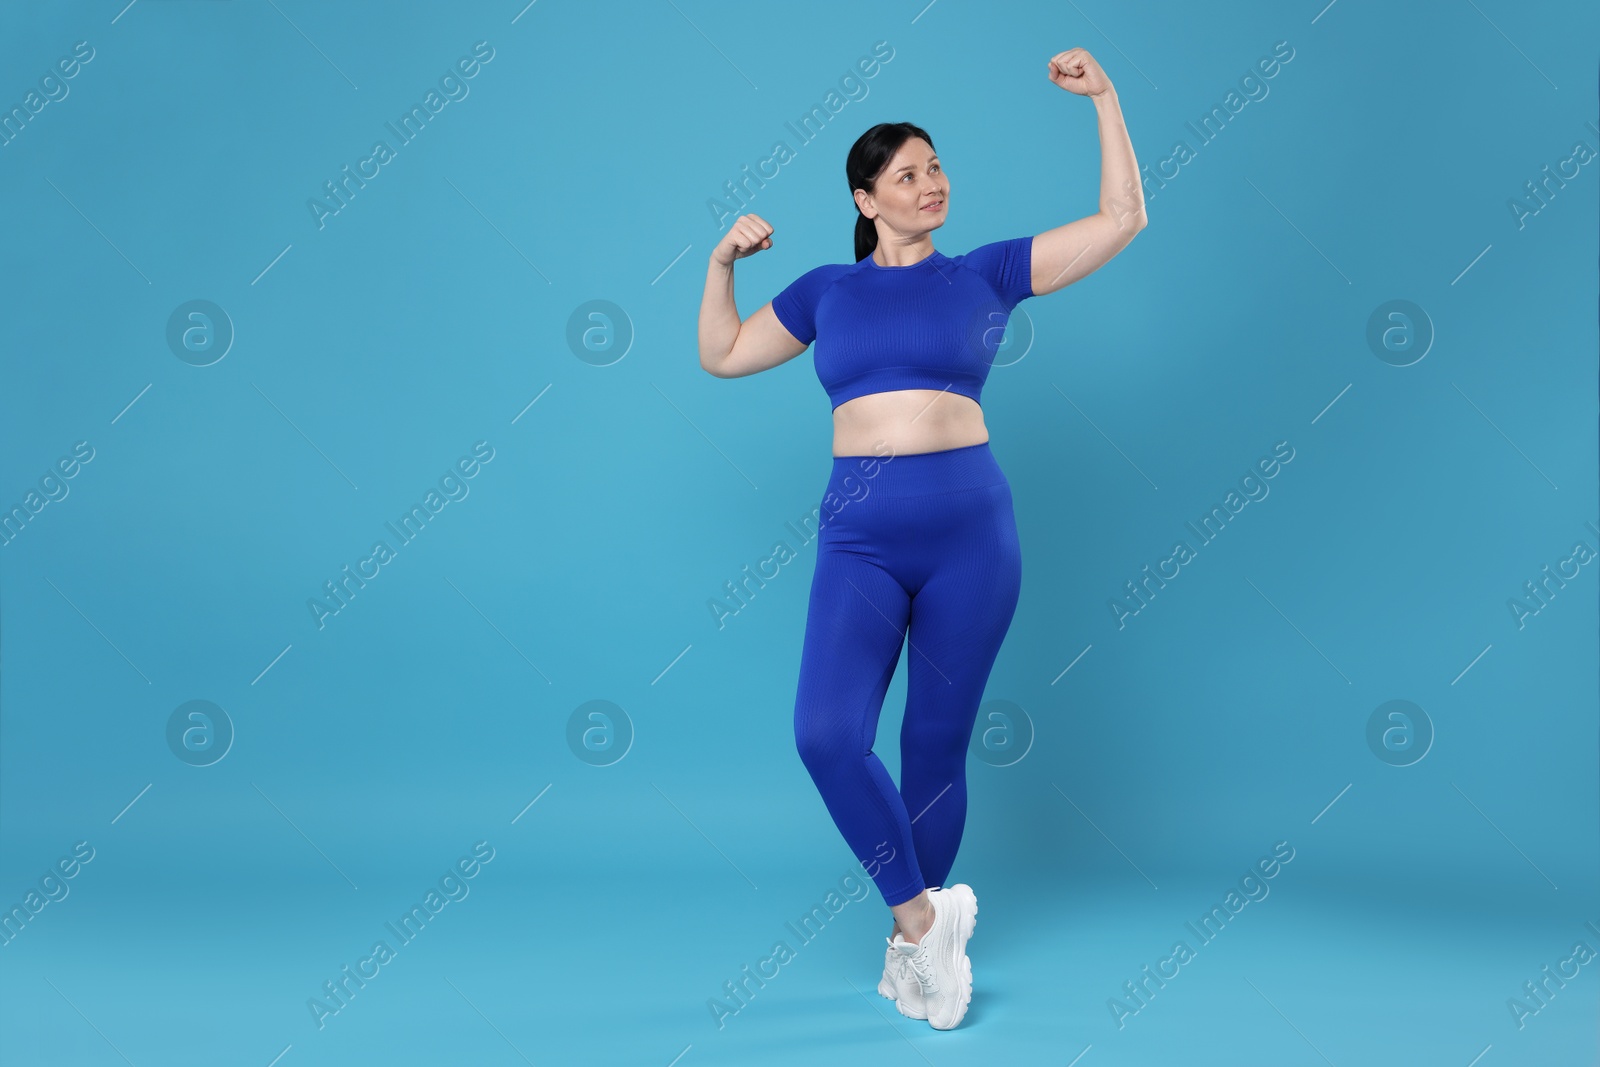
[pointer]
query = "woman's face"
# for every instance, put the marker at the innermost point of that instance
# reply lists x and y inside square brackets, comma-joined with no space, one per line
[911,196]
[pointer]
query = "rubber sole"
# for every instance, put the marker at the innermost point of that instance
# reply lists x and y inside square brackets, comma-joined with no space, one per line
[969,922]
[900,1006]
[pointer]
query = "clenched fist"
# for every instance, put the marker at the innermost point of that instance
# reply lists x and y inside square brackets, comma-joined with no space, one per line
[1076,71]
[748,235]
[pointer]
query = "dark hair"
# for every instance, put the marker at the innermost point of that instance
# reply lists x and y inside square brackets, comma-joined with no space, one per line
[868,156]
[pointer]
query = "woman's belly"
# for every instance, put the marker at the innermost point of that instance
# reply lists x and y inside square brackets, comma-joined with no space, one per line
[908,421]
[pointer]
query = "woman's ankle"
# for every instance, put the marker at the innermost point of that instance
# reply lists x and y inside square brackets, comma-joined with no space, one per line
[913,918]
[918,928]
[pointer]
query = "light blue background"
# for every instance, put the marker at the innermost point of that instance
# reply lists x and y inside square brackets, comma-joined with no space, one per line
[433,310]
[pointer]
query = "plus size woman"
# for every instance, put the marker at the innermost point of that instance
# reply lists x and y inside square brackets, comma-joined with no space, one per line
[917,544]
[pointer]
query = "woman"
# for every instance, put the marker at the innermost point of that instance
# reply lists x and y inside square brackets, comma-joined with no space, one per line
[920,542]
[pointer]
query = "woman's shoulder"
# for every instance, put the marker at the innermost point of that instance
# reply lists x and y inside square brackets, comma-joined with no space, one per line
[822,277]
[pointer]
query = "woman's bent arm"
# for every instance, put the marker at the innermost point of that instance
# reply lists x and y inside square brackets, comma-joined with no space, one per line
[729,348]
[1067,253]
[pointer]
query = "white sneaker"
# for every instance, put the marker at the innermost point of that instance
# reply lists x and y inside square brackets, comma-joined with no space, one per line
[900,985]
[939,961]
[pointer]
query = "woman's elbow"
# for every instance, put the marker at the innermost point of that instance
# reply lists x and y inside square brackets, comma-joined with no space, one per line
[716,366]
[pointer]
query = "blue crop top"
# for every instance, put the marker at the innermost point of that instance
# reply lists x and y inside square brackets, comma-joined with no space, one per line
[932,325]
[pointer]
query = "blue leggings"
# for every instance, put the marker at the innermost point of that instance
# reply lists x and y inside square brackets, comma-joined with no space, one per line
[926,541]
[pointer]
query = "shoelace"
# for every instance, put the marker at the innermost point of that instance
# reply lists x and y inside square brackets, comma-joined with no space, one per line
[901,967]
[922,970]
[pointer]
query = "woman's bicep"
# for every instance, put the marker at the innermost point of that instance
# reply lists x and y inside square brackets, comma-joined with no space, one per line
[763,343]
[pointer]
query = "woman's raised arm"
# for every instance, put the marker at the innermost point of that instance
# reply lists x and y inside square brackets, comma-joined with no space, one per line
[1063,255]
[730,348]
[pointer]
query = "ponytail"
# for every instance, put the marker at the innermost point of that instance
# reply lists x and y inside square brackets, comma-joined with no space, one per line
[866,236]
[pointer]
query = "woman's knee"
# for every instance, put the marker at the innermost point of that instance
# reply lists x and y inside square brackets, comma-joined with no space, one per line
[936,737]
[820,748]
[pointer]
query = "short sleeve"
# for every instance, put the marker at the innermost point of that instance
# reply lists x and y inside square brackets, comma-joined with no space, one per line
[796,306]
[1007,266]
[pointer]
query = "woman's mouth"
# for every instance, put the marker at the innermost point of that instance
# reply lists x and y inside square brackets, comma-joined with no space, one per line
[935,206]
